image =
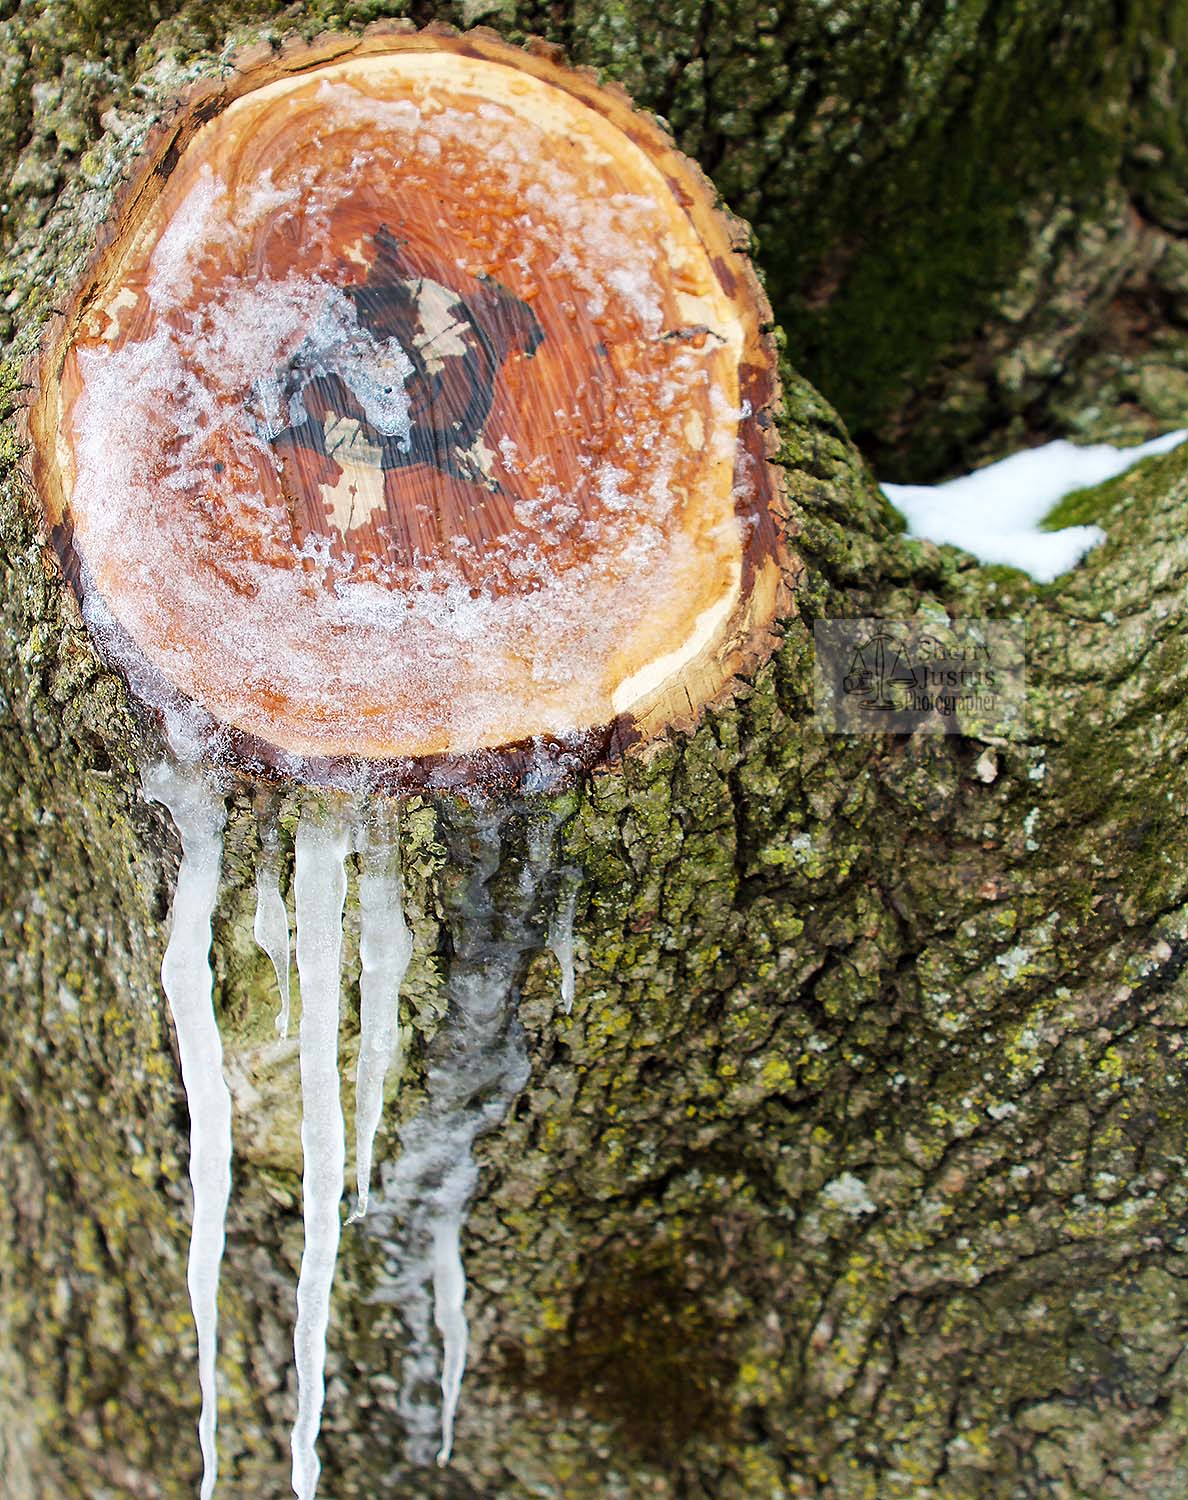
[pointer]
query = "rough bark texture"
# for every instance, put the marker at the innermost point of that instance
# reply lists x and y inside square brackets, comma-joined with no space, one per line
[972,215]
[858,1170]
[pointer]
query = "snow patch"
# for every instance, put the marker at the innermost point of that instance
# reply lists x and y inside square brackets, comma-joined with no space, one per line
[996,512]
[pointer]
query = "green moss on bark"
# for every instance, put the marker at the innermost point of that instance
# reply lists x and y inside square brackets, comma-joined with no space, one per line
[870,1098]
[945,197]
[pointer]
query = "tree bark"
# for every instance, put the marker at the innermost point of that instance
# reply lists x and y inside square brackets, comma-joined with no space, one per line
[971,221]
[857,1170]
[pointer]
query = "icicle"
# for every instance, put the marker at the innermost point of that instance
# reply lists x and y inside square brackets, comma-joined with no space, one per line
[478,1064]
[561,943]
[271,927]
[542,852]
[186,977]
[449,1298]
[320,897]
[385,947]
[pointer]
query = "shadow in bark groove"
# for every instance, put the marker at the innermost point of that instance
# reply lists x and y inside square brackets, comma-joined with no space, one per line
[648,1351]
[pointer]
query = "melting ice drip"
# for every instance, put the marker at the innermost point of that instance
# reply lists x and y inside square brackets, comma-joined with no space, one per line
[385,949]
[478,1063]
[477,1066]
[541,839]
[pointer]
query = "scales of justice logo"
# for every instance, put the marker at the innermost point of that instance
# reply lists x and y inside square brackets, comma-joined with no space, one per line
[396,373]
[881,673]
[916,672]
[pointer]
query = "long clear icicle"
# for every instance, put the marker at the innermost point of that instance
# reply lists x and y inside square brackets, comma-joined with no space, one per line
[320,887]
[271,927]
[199,815]
[385,948]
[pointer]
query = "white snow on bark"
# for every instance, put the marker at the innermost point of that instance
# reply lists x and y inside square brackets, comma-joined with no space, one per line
[320,897]
[996,512]
[199,815]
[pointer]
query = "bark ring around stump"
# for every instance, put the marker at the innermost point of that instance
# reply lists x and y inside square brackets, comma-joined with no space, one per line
[417,405]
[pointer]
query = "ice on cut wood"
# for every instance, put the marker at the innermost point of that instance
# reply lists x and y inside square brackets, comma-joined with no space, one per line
[199,814]
[371,457]
[320,886]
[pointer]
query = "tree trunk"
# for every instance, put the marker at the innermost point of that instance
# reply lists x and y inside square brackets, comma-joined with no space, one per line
[971,221]
[857,1168]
